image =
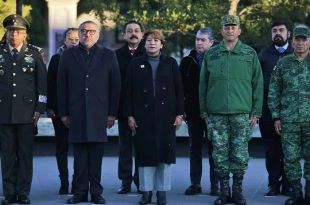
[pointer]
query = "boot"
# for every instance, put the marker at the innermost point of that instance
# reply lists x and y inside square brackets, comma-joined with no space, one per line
[64,185]
[146,198]
[161,197]
[237,195]
[307,193]
[296,196]
[224,196]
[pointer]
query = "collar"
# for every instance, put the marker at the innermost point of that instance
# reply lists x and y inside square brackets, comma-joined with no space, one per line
[236,49]
[18,48]
[285,46]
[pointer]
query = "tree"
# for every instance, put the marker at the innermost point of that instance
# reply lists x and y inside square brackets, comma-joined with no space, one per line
[7,8]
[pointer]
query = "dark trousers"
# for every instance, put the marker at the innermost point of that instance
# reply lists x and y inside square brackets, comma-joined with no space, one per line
[17,155]
[126,153]
[273,155]
[62,146]
[197,134]
[87,167]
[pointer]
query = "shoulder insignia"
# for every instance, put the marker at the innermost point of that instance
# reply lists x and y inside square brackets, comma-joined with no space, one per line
[37,48]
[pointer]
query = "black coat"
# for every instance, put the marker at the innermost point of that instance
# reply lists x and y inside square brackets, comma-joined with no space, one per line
[88,88]
[124,57]
[268,58]
[190,71]
[52,83]
[155,115]
[22,85]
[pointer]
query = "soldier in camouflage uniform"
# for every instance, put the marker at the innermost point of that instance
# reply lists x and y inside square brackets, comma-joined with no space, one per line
[231,97]
[289,103]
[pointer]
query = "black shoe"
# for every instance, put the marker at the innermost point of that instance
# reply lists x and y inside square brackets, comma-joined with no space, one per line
[285,191]
[97,199]
[161,197]
[124,189]
[22,199]
[294,201]
[193,189]
[9,200]
[273,191]
[77,199]
[222,199]
[146,198]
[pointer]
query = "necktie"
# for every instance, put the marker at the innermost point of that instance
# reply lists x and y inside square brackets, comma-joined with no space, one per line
[281,50]
[132,51]
[15,53]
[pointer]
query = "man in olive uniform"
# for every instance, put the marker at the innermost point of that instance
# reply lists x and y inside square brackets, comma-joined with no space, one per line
[289,103]
[22,99]
[231,98]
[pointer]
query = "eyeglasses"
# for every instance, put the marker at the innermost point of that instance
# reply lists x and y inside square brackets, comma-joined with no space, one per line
[85,31]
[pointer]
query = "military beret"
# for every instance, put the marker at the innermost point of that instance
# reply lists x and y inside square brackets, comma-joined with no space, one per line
[301,31]
[15,21]
[230,20]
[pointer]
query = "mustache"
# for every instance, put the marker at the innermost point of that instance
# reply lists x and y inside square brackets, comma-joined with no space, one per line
[278,37]
[133,36]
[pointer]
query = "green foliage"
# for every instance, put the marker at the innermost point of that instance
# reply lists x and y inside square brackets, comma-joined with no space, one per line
[8,8]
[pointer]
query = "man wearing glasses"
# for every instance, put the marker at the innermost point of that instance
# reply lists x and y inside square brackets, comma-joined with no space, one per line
[88,89]
[22,99]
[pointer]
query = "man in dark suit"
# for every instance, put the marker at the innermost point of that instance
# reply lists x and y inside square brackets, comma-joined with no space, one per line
[88,89]
[22,99]
[268,58]
[132,48]
[71,39]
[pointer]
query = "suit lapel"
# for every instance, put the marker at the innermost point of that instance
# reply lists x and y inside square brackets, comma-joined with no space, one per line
[78,57]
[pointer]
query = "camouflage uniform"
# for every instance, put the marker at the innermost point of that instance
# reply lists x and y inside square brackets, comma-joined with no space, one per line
[230,92]
[289,101]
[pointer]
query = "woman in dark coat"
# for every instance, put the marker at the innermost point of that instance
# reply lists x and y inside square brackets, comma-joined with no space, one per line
[154,108]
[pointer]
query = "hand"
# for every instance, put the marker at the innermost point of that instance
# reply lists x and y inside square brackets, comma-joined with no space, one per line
[66,121]
[206,121]
[277,126]
[253,121]
[132,124]
[178,121]
[50,113]
[36,117]
[110,121]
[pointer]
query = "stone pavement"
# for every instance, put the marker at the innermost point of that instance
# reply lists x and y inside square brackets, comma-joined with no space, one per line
[45,184]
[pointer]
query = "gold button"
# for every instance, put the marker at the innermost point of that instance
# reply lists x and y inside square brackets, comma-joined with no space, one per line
[14,64]
[14,84]
[86,89]
[14,95]
[14,74]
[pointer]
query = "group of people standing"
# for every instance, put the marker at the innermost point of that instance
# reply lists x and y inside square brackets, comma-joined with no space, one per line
[219,90]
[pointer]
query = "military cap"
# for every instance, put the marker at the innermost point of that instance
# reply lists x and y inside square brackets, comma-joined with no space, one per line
[15,21]
[230,20]
[301,31]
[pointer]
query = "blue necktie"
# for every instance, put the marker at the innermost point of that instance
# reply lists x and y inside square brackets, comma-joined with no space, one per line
[281,50]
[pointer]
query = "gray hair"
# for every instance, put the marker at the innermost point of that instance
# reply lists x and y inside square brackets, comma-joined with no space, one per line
[89,22]
[206,31]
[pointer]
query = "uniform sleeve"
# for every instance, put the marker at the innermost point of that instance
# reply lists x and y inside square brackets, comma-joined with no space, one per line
[41,85]
[274,94]
[52,82]
[203,88]
[62,87]
[178,88]
[257,88]
[114,86]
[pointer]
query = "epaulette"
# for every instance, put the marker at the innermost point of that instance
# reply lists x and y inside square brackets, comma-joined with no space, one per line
[33,47]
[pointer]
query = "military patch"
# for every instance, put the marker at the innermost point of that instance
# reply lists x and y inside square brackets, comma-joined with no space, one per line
[141,66]
[42,99]
[24,70]
[28,58]
[1,72]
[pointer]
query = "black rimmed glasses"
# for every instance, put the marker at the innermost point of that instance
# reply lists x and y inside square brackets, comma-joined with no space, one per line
[85,31]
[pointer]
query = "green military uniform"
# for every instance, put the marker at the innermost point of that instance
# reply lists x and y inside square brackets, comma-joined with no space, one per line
[22,93]
[289,101]
[230,92]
